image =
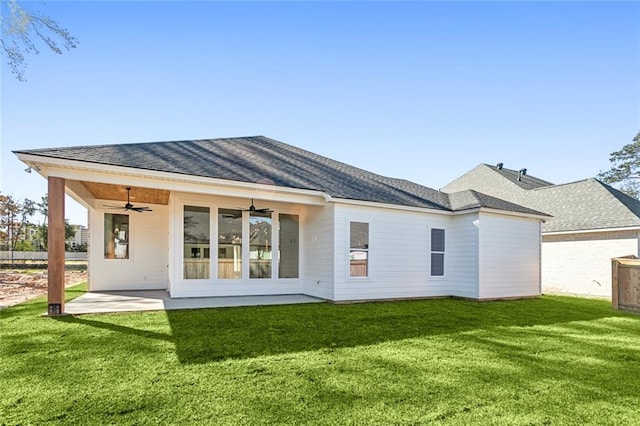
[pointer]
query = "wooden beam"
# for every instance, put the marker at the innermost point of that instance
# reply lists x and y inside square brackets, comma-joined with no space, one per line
[614,283]
[55,241]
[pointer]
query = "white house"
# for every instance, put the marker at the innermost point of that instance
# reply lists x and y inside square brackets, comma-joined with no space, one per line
[592,223]
[254,216]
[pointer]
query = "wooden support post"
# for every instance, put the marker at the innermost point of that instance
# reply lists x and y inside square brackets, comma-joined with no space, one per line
[614,283]
[55,241]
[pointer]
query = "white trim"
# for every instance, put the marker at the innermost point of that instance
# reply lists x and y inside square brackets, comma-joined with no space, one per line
[596,230]
[509,213]
[436,211]
[387,206]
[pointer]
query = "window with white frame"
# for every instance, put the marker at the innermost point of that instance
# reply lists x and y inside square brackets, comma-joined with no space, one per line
[196,242]
[116,236]
[437,252]
[288,237]
[260,246]
[358,249]
[229,244]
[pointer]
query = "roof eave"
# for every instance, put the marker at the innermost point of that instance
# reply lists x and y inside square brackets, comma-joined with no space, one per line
[593,230]
[48,166]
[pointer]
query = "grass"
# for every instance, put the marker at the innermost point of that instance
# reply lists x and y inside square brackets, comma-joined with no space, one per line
[552,360]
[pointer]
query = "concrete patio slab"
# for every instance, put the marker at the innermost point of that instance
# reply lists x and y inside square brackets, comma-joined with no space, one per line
[159,300]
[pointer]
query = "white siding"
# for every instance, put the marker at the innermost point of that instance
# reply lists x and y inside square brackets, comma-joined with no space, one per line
[509,256]
[580,264]
[318,252]
[463,255]
[146,268]
[399,254]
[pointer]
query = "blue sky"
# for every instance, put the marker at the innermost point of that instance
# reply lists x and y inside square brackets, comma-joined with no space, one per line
[418,90]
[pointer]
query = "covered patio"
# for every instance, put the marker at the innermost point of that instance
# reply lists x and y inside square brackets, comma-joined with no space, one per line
[159,300]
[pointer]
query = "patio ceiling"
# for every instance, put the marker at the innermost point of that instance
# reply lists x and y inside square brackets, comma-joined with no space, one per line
[105,191]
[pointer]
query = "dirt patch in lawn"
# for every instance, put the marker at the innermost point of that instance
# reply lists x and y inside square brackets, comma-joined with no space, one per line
[18,286]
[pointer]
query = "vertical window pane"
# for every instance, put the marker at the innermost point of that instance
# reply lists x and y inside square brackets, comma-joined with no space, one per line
[437,252]
[437,239]
[260,250]
[116,236]
[196,240]
[229,244]
[359,249]
[288,240]
[437,264]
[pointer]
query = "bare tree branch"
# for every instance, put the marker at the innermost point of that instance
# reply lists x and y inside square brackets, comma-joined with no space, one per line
[20,27]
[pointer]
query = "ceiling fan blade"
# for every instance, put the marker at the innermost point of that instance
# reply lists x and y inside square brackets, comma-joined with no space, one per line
[263,210]
[141,209]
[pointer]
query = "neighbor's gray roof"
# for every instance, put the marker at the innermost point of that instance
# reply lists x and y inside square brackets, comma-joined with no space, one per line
[259,159]
[586,204]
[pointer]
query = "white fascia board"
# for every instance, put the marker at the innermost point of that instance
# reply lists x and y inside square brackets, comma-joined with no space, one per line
[387,206]
[589,231]
[435,211]
[517,214]
[118,175]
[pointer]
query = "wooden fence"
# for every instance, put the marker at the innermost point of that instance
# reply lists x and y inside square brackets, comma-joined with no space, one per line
[625,281]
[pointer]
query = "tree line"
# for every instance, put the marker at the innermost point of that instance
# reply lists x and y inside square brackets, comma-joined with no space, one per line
[625,171]
[18,231]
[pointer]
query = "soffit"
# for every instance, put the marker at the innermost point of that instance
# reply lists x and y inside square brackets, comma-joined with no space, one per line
[105,191]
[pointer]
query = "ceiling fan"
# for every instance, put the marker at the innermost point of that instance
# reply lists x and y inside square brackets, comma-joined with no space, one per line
[253,209]
[130,206]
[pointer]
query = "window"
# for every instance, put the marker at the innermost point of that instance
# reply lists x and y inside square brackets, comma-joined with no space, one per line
[116,236]
[358,249]
[260,249]
[437,252]
[229,244]
[288,243]
[196,240]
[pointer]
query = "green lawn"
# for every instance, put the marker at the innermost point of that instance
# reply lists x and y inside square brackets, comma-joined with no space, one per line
[553,360]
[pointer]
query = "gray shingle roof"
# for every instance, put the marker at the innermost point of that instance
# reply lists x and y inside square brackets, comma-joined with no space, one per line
[259,159]
[584,205]
[470,199]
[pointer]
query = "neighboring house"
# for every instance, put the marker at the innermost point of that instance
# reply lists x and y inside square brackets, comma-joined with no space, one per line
[592,223]
[254,216]
[80,237]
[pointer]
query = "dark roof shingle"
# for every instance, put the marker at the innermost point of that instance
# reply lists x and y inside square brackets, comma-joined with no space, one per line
[258,159]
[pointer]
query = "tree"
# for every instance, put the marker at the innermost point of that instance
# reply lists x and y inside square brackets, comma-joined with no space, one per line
[626,169]
[14,220]
[20,27]
[43,229]
[43,234]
